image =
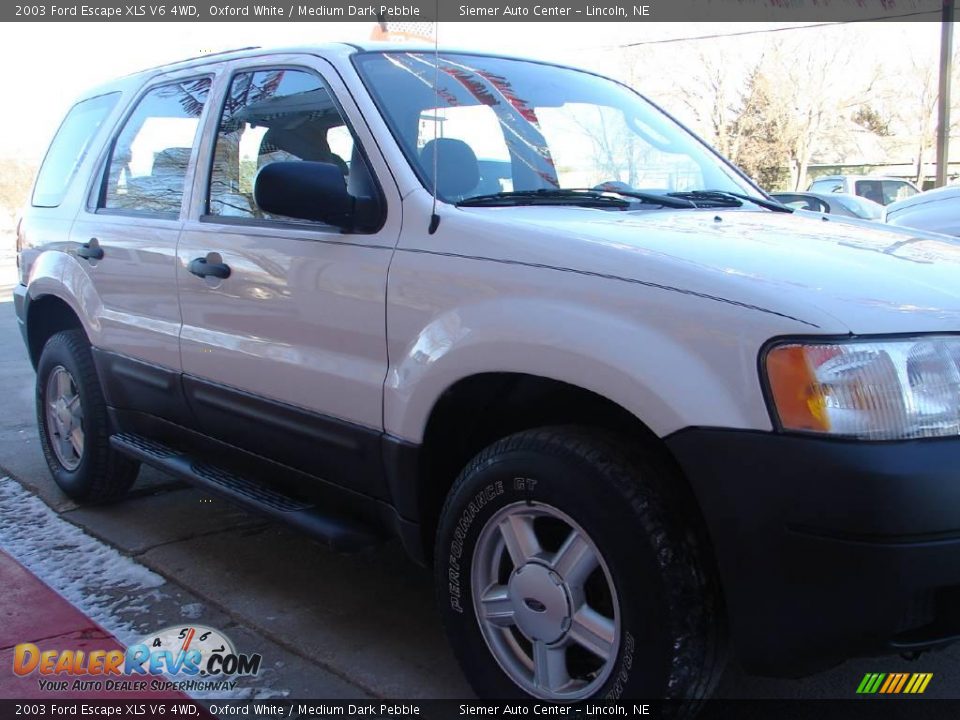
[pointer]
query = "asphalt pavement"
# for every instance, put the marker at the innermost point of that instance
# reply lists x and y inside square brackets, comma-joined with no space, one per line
[328,625]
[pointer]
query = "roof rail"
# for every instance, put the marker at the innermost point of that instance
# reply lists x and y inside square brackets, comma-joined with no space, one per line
[195,57]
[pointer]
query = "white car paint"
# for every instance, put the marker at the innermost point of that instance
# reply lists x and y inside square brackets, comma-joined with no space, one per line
[663,311]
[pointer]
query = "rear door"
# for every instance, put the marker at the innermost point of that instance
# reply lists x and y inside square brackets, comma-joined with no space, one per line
[287,357]
[126,240]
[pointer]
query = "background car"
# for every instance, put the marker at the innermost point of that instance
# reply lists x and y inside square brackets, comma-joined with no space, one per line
[935,210]
[835,204]
[882,190]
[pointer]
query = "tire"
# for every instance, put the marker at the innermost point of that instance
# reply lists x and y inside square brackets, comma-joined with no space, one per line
[85,467]
[660,634]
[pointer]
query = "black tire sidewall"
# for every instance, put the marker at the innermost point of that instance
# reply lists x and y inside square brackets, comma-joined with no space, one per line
[642,666]
[77,483]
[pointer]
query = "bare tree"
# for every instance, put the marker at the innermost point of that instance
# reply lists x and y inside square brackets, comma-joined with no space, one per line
[710,96]
[779,103]
[906,99]
[793,96]
[759,129]
[911,97]
[16,177]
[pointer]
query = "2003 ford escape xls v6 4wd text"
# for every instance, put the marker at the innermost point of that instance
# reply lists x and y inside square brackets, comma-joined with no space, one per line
[637,415]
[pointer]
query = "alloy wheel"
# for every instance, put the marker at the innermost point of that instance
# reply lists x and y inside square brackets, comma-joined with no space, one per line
[545,601]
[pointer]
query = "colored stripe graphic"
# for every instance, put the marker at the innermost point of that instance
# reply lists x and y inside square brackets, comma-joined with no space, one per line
[891,680]
[903,681]
[894,683]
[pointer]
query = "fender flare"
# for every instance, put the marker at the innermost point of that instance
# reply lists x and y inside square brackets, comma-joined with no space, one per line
[611,355]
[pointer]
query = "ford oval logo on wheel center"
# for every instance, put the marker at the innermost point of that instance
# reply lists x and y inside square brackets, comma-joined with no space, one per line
[535,605]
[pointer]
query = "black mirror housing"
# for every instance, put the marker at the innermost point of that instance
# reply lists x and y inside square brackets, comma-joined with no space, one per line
[308,190]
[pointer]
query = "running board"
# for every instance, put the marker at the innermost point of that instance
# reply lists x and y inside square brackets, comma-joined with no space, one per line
[341,534]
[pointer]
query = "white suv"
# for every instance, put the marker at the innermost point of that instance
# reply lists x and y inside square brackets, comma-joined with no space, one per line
[632,411]
[881,190]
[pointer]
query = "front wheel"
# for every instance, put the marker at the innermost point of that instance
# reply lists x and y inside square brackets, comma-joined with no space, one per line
[73,424]
[568,569]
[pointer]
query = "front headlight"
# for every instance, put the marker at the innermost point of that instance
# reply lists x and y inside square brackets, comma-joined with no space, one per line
[883,390]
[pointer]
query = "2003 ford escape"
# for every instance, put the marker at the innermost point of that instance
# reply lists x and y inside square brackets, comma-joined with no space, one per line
[634,412]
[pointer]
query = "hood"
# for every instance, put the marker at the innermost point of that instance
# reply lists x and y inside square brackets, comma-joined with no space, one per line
[869,278]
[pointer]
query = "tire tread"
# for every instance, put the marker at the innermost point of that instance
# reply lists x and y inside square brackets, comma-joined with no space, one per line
[109,474]
[648,482]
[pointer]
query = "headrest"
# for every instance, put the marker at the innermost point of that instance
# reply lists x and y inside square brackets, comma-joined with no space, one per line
[458,171]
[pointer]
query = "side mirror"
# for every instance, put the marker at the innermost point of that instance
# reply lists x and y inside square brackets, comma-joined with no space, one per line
[802,201]
[313,191]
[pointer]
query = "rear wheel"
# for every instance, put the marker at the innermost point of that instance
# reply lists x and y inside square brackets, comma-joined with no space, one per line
[73,424]
[568,569]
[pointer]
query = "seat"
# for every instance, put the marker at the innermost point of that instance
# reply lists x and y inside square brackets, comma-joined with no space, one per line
[301,144]
[458,171]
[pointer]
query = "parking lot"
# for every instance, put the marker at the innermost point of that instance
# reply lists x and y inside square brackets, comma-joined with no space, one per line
[328,626]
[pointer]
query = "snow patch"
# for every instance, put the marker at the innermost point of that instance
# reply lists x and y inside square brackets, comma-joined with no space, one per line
[107,586]
[192,611]
[93,576]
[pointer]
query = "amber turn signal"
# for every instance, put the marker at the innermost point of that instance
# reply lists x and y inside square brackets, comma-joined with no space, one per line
[799,401]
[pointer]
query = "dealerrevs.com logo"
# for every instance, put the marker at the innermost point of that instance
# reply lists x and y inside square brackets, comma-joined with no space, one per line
[194,658]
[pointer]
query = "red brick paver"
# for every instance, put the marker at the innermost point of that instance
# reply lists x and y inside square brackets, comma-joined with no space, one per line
[32,612]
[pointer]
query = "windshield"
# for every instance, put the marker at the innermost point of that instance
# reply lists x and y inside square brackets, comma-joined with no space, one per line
[494,125]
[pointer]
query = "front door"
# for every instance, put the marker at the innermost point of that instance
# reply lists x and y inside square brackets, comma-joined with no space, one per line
[286,356]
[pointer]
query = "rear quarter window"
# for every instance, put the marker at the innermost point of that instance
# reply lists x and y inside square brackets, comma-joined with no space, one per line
[69,147]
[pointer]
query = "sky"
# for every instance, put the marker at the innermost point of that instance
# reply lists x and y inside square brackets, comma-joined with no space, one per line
[60,60]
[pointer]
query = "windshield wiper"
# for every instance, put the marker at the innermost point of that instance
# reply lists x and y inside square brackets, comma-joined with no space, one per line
[572,196]
[761,201]
[667,200]
[732,199]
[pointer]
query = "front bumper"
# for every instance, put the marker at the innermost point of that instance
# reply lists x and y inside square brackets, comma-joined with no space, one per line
[829,549]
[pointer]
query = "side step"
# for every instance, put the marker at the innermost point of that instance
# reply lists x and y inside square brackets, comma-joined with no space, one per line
[342,534]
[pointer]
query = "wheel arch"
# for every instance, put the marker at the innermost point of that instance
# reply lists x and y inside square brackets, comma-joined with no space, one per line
[480,409]
[47,315]
[60,295]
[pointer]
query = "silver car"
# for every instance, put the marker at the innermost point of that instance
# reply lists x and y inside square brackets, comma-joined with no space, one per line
[936,211]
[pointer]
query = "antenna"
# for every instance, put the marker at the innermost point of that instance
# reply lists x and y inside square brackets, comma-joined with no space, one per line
[434,218]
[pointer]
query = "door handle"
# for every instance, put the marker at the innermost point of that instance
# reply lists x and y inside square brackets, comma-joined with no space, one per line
[205,267]
[91,250]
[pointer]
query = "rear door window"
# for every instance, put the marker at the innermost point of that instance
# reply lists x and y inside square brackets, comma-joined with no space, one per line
[69,147]
[151,155]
